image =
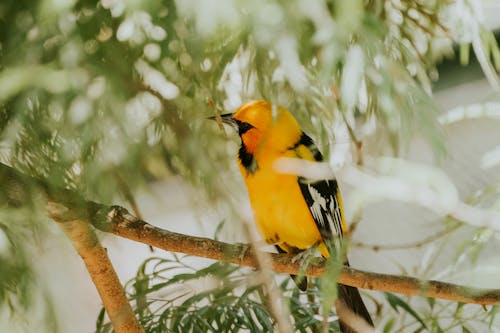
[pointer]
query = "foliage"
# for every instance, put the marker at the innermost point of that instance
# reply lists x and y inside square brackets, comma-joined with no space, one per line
[19,289]
[99,83]
[228,301]
[171,296]
[15,268]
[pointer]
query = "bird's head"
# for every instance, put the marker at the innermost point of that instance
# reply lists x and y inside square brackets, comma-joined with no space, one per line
[258,121]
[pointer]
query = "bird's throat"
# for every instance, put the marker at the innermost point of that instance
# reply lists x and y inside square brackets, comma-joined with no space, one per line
[247,160]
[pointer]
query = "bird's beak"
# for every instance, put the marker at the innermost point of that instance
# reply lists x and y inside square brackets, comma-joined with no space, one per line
[226,118]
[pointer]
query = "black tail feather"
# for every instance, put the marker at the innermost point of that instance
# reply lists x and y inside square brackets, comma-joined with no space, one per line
[346,294]
[352,299]
[300,281]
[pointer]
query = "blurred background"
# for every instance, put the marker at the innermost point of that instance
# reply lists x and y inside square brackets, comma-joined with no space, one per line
[109,97]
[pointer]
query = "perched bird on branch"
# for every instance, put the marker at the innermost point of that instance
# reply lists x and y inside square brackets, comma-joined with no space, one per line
[291,212]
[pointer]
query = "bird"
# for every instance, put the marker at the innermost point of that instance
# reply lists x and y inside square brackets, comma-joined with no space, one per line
[291,212]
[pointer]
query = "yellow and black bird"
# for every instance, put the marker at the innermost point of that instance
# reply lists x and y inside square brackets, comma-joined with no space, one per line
[291,212]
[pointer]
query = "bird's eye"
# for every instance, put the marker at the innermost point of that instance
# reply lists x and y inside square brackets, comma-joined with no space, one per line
[243,127]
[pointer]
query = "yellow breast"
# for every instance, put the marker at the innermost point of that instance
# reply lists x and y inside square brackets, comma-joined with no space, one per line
[280,211]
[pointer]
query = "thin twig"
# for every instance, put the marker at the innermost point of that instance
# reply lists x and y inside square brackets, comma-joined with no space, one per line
[358,144]
[274,298]
[411,245]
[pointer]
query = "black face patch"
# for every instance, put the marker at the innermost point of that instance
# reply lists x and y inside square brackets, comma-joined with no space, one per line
[247,159]
[243,127]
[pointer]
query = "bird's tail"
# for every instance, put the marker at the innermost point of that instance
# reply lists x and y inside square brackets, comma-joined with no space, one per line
[351,298]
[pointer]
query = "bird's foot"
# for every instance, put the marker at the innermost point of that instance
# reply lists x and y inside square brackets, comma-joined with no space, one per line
[243,250]
[305,255]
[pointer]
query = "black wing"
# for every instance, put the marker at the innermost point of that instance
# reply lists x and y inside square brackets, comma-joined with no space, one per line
[322,197]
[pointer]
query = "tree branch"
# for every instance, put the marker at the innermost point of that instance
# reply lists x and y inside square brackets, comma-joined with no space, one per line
[119,221]
[70,210]
[100,269]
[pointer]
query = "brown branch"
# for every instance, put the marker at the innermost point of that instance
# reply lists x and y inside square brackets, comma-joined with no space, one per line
[119,221]
[129,197]
[71,211]
[100,269]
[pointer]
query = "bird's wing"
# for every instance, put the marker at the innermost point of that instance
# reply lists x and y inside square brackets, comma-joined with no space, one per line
[323,199]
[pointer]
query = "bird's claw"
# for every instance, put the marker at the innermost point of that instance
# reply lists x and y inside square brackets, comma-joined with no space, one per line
[305,256]
[243,250]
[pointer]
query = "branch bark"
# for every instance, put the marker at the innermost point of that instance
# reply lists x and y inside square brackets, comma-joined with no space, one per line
[119,221]
[71,211]
[100,269]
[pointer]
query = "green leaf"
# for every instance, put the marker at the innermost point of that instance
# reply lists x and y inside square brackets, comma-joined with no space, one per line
[397,303]
[459,309]
[465,329]
[328,284]
[431,301]
[263,318]
[495,51]
[495,309]
[101,327]
[464,53]
[219,229]
[389,325]
[480,239]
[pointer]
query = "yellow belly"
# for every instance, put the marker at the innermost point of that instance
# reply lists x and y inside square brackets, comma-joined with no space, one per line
[280,211]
